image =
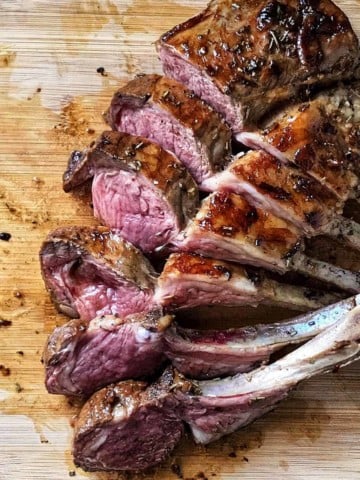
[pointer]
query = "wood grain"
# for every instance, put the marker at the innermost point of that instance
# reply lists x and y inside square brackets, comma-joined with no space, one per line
[51,101]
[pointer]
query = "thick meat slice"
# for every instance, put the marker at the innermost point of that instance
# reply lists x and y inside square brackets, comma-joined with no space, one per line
[160,195]
[228,228]
[127,426]
[189,280]
[306,137]
[92,271]
[81,357]
[245,57]
[281,189]
[222,406]
[205,354]
[287,192]
[166,112]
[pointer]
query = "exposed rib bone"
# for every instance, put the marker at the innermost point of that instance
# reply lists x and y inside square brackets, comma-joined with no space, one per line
[213,353]
[222,406]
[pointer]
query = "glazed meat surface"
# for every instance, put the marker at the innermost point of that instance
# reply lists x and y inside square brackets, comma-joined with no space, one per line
[92,271]
[189,280]
[281,189]
[227,227]
[305,136]
[138,188]
[80,357]
[244,58]
[165,112]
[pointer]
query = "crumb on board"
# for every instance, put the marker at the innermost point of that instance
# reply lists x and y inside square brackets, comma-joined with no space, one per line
[5,323]
[5,236]
[5,370]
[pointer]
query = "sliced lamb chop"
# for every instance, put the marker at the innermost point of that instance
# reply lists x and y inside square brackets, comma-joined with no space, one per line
[189,280]
[139,189]
[92,271]
[306,137]
[205,354]
[219,407]
[228,228]
[164,111]
[244,58]
[287,192]
[127,426]
[81,357]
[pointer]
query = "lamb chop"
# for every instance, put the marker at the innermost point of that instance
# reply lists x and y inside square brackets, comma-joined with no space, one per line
[228,228]
[204,354]
[244,58]
[160,195]
[189,280]
[165,112]
[306,137]
[219,407]
[285,191]
[92,271]
[128,426]
[80,357]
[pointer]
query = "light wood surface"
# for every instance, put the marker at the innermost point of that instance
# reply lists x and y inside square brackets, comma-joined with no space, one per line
[51,100]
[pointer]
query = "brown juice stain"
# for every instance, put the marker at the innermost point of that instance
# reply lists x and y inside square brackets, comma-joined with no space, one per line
[81,18]
[309,426]
[7,55]
[146,16]
[283,464]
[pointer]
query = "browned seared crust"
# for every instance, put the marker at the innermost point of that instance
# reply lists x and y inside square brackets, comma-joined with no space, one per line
[307,137]
[231,216]
[98,410]
[171,96]
[290,186]
[107,248]
[261,52]
[118,150]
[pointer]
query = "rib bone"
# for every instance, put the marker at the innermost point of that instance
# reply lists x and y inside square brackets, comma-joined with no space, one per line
[222,406]
[208,354]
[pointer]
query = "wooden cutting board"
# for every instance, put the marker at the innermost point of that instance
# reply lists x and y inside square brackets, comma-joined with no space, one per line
[51,99]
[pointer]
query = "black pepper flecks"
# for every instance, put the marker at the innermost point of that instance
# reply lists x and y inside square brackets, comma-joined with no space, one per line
[102,72]
[5,236]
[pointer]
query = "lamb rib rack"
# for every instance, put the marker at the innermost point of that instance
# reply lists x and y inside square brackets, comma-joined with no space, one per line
[244,58]
[228,228]
[138,188]
[131,426]
[165,112]
[208,354]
